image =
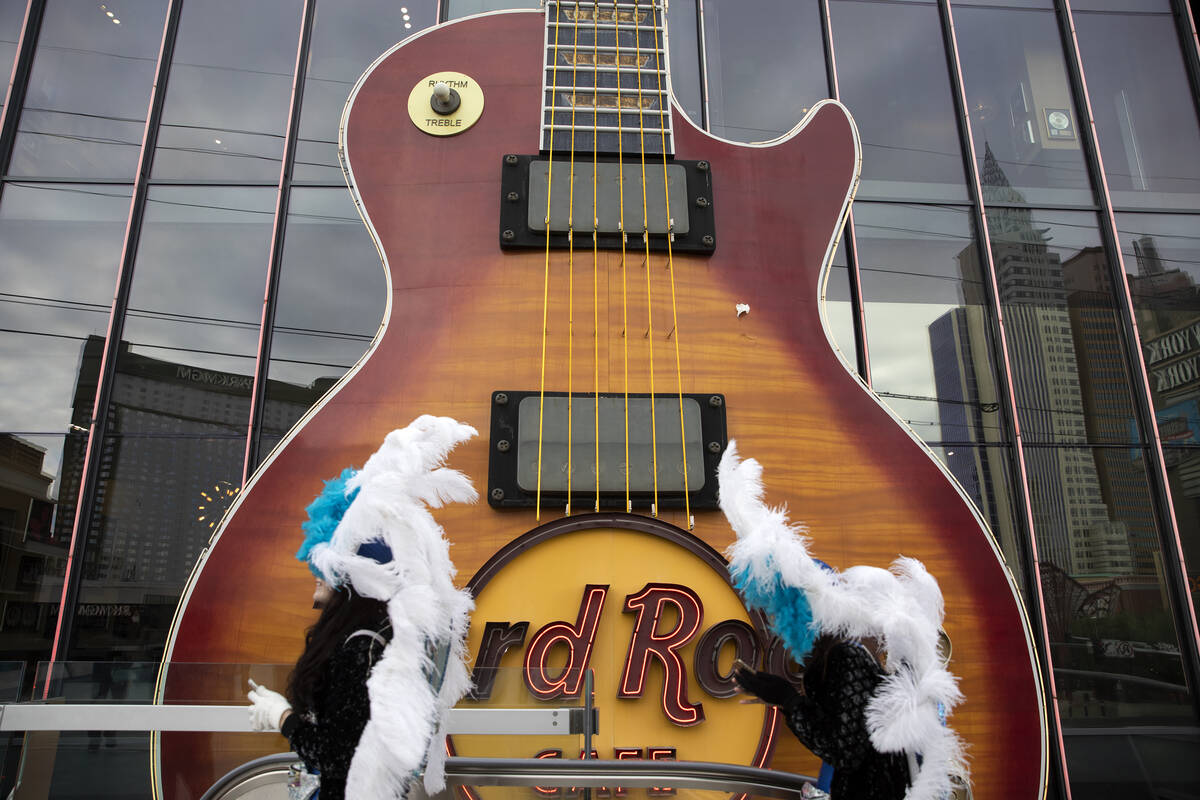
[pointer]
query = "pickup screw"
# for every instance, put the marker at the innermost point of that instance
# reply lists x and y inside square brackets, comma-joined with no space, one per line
[702,166]
[503,445]
[715,401]
[714,447]
[702,202]
[513,197]
[508,235]
[708,241]
[510,159]
[497,494]
[501,399]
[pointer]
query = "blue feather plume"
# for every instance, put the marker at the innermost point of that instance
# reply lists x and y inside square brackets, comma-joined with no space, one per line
[324,514]
[786,607]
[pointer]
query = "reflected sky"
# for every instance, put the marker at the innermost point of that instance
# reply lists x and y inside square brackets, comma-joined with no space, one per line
[89,90]
[229,91]
[59,250]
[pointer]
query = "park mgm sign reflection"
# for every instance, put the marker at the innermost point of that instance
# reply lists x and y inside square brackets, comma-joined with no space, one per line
[646,607]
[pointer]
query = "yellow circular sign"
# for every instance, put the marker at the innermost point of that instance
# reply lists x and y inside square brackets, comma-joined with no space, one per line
[648,609]
[445,103]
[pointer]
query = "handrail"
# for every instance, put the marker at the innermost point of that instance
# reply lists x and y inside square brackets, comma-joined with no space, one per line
[731,778]
[234,719]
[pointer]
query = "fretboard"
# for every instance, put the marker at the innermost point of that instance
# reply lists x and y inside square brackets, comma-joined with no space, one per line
[605,86]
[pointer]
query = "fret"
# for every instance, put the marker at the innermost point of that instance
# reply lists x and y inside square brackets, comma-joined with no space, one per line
[606,141]
[633,131]
[625,39]
[627,100]
[607,26]
[649,112]
[586,79]
[656,123]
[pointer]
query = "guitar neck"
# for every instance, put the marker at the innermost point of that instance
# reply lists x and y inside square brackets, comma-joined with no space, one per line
[605,88]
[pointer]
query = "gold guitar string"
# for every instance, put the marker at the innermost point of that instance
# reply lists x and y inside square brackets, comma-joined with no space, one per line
[546,279]
[637,39]
[621,231]
[660,71]
[571,268]
[595,240]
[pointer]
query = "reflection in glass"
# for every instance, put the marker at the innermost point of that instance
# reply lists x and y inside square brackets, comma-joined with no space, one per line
[229,90]
[346,38]
[60,246]
[1112,635]
[1022,114]
[1162,258]
[11,17]
[462,8]
[89,89]
[839,313]
[684,48]
[199,276]
[1067,348]
[1149,139]
[925,315]
[331,302]
[892,76]
[766,66]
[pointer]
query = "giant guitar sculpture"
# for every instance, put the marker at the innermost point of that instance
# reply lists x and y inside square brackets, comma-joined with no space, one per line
[595,336]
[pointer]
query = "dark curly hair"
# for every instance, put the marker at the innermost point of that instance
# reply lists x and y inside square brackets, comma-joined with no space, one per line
[344,613]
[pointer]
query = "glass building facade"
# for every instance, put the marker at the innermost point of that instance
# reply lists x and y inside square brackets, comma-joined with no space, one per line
[183,274]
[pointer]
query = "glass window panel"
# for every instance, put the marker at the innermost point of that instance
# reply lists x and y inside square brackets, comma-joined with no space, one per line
[33,546]
[766,66]
[1067,349]
[1145,118]
[1121,5]
[1023,118]
[1162,258]
[346,38]
[1113,643]
[462,8]
[839,313]
[229,91]
[199,276]
[684,43]
[893,77]
[325,318]
[89,89]
[12,15]
[60,248]
[1005,3]
[168,470]
[926,320]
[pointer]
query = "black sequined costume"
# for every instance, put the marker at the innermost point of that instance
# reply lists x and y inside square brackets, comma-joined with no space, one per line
[326,739]
[829,719]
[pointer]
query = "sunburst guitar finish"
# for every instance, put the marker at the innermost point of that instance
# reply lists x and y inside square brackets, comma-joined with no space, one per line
[466,319]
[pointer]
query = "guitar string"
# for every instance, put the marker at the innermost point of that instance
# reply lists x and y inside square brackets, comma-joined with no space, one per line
[596,242]
[621,232]
[664,107]
[571,265]
[637,39]
[546,279]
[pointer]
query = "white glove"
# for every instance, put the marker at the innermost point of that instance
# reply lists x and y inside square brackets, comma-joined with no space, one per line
[266,708]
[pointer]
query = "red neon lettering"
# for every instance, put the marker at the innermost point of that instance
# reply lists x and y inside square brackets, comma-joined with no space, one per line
[661,754]
[626,754]
[550,791]
[578,638]
[647,641]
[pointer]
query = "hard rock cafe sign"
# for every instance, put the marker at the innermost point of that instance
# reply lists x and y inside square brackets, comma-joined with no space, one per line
[649,610]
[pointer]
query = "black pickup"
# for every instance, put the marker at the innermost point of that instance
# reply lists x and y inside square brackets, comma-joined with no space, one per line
[681,207]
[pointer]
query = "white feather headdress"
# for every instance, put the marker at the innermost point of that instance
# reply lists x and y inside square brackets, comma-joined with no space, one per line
[395,490]
[901,608]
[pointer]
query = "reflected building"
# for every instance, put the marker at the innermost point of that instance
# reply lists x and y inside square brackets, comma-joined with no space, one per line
[164,485]
[32,556]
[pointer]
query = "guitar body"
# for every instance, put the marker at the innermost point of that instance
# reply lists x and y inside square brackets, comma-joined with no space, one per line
[465,319]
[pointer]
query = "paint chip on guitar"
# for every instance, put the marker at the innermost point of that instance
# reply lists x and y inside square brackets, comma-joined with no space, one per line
[743,309]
